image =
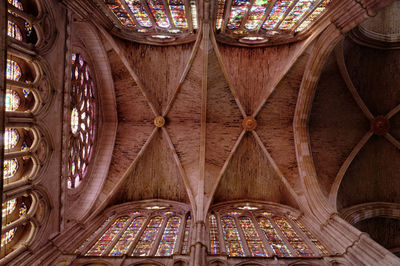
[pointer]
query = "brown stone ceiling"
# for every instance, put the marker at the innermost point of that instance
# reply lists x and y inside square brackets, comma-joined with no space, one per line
[165,163]
[356,164]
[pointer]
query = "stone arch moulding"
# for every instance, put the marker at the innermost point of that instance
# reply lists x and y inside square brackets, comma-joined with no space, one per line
[36,219]
[86,39]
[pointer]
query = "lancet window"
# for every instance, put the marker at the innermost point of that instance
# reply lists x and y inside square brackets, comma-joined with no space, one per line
[141,232]
[267,19]
[26,147]
[256,232]
[82,120]
[162,19]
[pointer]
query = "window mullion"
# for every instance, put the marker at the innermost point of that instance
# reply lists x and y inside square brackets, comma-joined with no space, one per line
[242,240]
[266,15]
[246,15]
[98,235]
[222,245]
[149,13]
[303,237]
[117,237]
[227,14]
[167,11]
[262,236]
[292,5]
[189,16]
[157,239]
[283,237]
[130,14]
[181,234]
[138,236]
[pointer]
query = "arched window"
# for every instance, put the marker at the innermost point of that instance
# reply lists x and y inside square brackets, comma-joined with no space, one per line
[14,31]
[83,113]
[251,231]
[155,16]
[16,3]
[144,232]
[257,20]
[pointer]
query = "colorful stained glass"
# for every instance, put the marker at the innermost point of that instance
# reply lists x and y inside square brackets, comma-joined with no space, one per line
[185,244]
[295,14]
[26,92]
[8,207]
[295,241]
[214,240]
[74,120]
[101,246]
[11,138]
[159,14]
[148,237]
[23,209]
[312,238]
[276,14]
[7,237]
[16,3]
[119,11]
[193,9]
[220,13]
[139,12]
[314,15]
[13,70]
[83,110]
[232,239]
[168,239]
[14,31]
[125,242]
[256,14]
[274,240]
[238,10]
[252,238]
[12,100]
[177,8]
[10,168]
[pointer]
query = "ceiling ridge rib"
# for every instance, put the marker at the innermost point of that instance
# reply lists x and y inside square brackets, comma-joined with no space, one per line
[392,140]
[228,80]
[125,174]
[203,123]
[126,63]
[343,168]
[349,83]
[224,167]
[276,168]
[185,73]
[182,172]
[393,112]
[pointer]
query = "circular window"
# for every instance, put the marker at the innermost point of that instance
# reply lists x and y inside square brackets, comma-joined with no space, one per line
[83,110]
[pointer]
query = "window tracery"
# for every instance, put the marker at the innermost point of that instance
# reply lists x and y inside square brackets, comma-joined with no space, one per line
[155,17]
[254,232]
[25,143]
[265,20]
[83,113]
[145,232]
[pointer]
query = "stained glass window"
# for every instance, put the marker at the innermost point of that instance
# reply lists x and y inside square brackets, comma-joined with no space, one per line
[10,168]
[13,101]
[100,247]
[159,16]
[254,241]
[185,245]
[129,235]
[312,238]
[169,237]
[11,138]
[7,237]
[16,3]
[9,207]
[148,237]
[120,12]
[275,241]
[14,31]
[267,17]
[13,70]
[214,240]
[297,243]
[83,113]
[231,235]
[139,12]
[23,209]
